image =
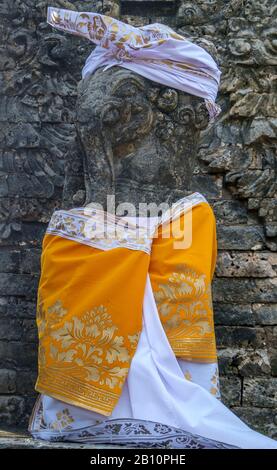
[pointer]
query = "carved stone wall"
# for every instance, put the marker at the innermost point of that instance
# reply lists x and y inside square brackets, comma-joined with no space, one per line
[236,171]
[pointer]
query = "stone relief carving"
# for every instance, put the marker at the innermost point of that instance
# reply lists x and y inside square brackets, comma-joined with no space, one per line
[138,139]
[245,96]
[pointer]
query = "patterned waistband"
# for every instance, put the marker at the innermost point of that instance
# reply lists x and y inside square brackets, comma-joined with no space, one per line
[106,231]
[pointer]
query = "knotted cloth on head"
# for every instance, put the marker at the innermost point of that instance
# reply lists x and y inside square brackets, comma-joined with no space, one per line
[154,51]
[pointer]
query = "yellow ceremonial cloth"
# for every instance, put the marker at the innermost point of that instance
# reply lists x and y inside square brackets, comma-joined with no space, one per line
[90,297]
[181,281]
[89,318]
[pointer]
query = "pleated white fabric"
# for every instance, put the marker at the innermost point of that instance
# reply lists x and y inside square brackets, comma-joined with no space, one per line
[157,390]
[154,51]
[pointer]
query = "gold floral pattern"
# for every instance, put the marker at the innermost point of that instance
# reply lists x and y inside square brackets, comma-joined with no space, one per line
[185,307]
[201,377]
[63,421]
[106,31]
[215,384]
[85,352]
[87,345]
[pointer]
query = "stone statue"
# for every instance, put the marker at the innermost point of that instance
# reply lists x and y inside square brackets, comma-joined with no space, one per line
[138,139]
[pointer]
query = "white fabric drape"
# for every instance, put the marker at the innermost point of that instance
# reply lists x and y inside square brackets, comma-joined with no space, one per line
[154,51]
[157,390]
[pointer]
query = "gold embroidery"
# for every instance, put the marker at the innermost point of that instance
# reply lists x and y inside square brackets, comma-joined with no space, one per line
[120,40]
[64,419]
[215,381]
[87,345]
[84,353]
[75,391]
[188,375]
[92,228]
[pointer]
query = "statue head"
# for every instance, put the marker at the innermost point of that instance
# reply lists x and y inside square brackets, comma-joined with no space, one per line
[139,138]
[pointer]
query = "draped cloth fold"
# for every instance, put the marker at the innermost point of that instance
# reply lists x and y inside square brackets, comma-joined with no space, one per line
[126,332]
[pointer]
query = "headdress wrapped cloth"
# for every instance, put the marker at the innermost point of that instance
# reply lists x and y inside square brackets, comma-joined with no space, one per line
[154,51]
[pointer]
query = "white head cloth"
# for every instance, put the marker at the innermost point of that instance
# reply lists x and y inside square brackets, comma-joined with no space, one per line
[154,51]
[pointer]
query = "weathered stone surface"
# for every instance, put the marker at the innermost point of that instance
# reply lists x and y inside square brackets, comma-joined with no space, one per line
[28,331]
[230,388]
[24,234]
[30,261]
[262,419]
[244,362]
[9,261]
[231,264]
[210,186]
[230,212]
[273,363]
[7,381]
[240,237]
[260,392]
[18,354]
[11,329]
[25,382]
[265,314]
[13,307]
[18,284]
[140,118]
[11,409]
[240,337]
[233,314]
[245,290]
[227,361]
[271,337]
[253,364]
[16,437]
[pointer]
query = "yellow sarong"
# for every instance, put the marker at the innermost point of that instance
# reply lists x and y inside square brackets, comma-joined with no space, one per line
[91,290]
